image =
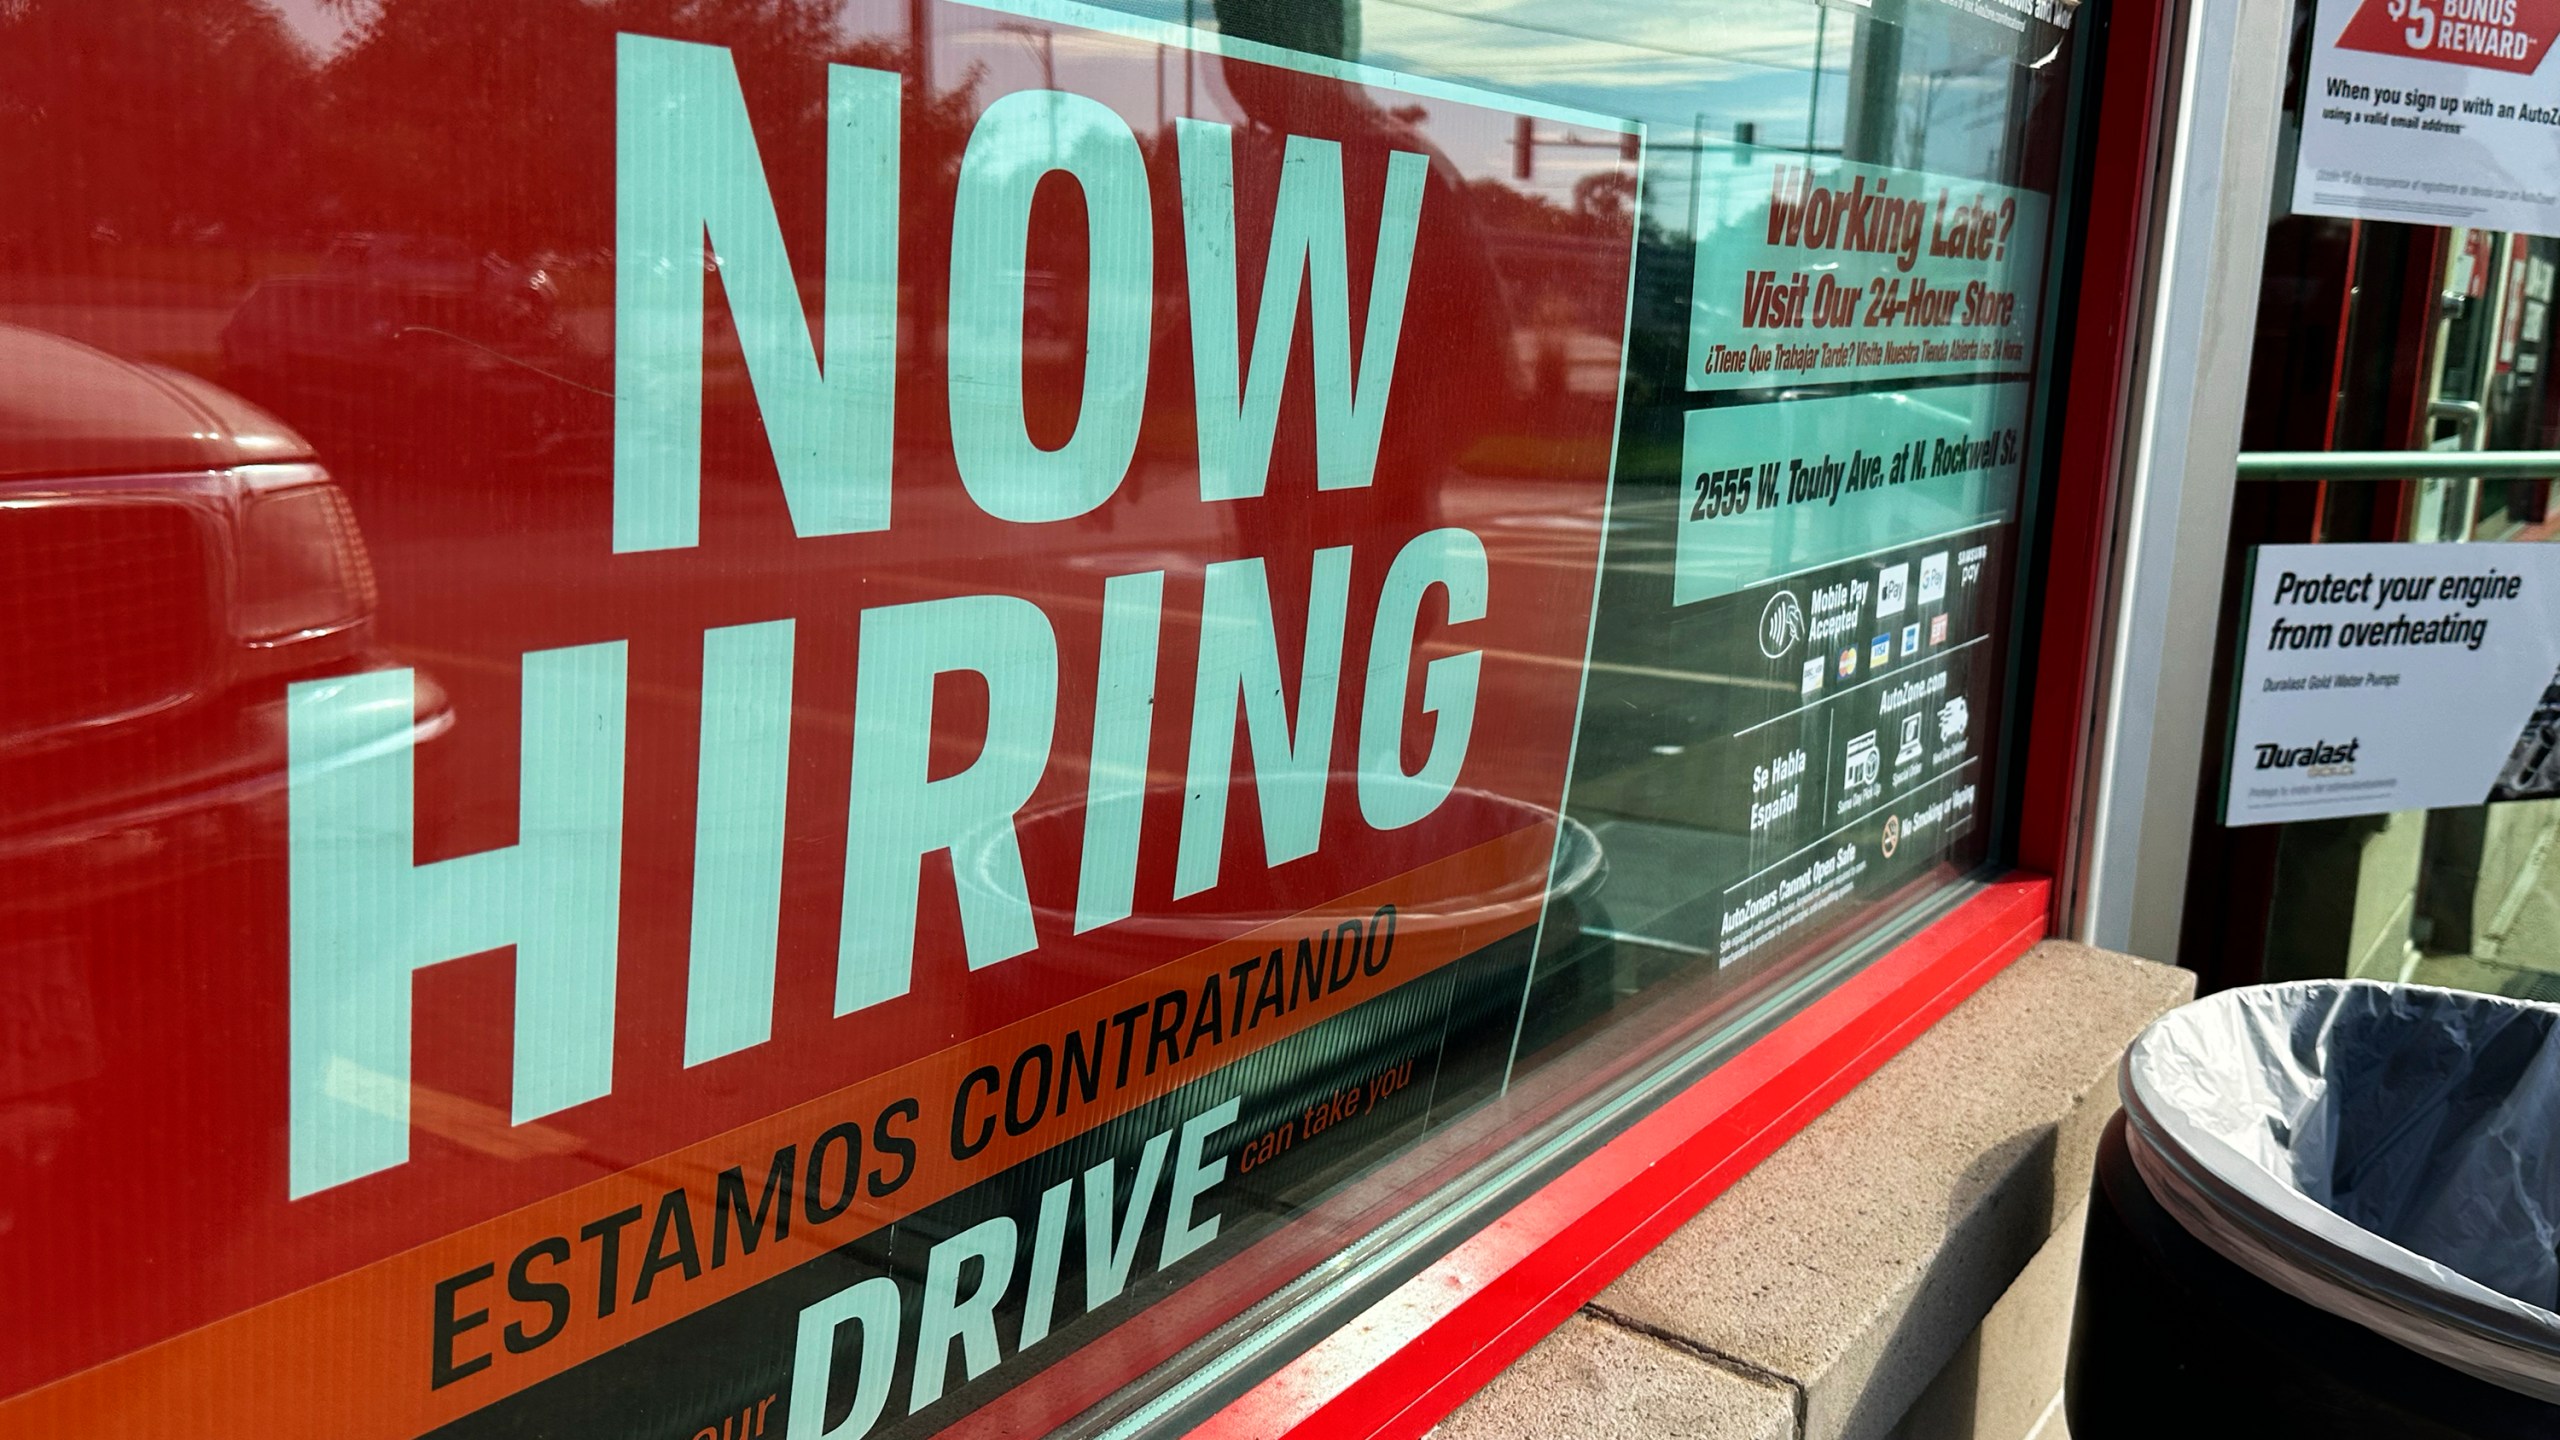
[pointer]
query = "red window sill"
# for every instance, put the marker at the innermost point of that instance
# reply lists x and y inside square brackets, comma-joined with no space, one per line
[1414,1356]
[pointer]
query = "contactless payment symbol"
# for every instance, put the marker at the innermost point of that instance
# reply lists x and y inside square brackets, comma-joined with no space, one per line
[1781,624]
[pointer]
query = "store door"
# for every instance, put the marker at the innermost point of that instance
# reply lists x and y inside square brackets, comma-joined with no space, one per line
[2407,348]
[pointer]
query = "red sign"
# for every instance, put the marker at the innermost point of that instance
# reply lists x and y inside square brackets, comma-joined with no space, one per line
[657,652]
[2509,35]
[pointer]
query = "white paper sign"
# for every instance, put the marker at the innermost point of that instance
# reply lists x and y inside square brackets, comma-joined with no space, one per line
[2433,112]
[2376,678]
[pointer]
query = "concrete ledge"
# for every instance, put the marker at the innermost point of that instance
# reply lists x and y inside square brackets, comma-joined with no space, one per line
[1850,1267]
[1595,1381]
[2005,1381]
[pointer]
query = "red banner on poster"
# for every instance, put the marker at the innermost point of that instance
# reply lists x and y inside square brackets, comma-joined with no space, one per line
[2509,35]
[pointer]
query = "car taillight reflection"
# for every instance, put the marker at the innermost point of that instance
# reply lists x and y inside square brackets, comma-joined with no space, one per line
[300,564]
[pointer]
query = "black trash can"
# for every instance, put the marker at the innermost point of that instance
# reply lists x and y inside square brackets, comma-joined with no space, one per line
[2329,1209]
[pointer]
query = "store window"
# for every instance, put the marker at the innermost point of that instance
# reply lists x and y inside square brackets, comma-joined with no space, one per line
[878,719]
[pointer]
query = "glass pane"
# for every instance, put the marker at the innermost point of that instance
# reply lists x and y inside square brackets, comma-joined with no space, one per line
[844,718]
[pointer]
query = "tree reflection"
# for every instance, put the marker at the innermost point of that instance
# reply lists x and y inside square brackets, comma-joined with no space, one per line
[149,122]
[470,120]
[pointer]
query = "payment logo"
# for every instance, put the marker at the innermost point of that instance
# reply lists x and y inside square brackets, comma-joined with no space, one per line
[1933,579]
[1911,638]
[1781,624]
[1812,676]
[1848,662]
[1879,651]
[1893,587]
[1937,629]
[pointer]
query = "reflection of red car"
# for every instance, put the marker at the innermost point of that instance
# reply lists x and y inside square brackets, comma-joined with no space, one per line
[169,557]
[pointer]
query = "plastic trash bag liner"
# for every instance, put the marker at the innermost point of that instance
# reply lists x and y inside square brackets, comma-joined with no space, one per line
[2384,1152]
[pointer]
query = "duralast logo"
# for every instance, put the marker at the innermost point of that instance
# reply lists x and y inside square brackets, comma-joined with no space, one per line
[2320,757]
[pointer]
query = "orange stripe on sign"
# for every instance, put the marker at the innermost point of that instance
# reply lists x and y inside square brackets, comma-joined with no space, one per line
[349,1358]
